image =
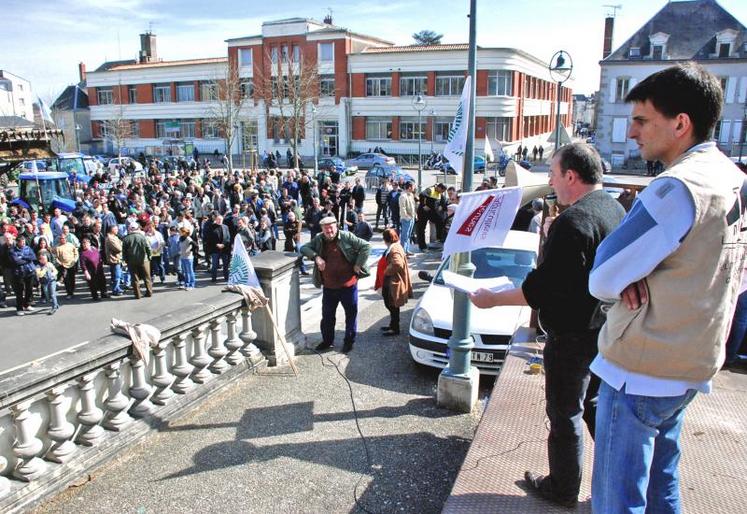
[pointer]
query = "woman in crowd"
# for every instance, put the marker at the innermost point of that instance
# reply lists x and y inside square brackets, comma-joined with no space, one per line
[393,277]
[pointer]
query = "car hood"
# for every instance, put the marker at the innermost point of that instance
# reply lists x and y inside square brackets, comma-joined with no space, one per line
[438,301]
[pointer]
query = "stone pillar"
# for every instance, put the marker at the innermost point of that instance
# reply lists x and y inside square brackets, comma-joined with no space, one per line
[90,415]
[247,336]
[200,359]
[278,276]
[60,429]
[182,368]
[27,446]
[217,351]
[140,390]
[161,378]
[116,402]
[233,343]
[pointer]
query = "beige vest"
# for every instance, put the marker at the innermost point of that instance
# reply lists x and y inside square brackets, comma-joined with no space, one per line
[681,332]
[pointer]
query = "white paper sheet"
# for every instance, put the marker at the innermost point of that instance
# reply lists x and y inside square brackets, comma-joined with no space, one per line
[470,285]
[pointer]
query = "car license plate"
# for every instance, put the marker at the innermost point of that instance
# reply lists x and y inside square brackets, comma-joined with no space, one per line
[482,357]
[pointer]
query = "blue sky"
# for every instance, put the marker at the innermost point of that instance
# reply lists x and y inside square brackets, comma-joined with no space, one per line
[43,40]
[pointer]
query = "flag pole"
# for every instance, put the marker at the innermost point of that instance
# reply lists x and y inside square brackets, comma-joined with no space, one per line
[458,383]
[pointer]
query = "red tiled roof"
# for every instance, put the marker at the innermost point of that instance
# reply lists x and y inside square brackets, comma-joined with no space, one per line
[414,48]
[208,60]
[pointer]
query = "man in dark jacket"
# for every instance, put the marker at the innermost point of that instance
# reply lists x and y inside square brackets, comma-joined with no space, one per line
[382,202]
[136,253]
[218,246]
[358,195]
[23,259]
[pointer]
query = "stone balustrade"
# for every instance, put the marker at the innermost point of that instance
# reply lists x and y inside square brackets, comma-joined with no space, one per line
[61,416]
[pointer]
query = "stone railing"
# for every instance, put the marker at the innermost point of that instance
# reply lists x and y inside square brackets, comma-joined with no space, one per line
[66,414]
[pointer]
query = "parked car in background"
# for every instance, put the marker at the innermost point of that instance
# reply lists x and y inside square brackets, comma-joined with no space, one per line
[366,161]
[117,162]
[338,164]
[375,175]
[478,166]
[492,329]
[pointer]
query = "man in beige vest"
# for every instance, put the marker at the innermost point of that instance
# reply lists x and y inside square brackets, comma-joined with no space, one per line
[672,273]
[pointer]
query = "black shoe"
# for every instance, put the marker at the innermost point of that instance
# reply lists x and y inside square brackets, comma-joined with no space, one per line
[384,329]
[148,295]
[541,484]
[323,346]
[392,333]
[347,347]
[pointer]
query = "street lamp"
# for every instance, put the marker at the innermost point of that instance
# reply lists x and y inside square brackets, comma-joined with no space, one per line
[313,129]
[433,122]
[419,103]
[77,137]
[561,66]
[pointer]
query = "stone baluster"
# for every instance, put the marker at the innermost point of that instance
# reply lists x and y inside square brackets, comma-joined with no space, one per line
[217,351]
[4,482]
[27,446]
[60,429]
[89,417]
[182,368]
[162,378]
[200,359]
[247,336]
[140,390]
[116,402]
[233,343]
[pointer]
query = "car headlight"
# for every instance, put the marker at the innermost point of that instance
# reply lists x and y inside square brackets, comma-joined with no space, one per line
[421,322]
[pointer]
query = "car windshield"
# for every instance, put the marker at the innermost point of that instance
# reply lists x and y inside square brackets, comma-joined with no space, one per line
[73,165]
[499,262]
[49,189]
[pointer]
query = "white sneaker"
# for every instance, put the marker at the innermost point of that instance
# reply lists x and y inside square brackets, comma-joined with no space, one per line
[20,313]
[29,308]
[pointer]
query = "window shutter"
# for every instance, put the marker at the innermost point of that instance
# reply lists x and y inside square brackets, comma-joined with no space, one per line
[731,87]
[613,89]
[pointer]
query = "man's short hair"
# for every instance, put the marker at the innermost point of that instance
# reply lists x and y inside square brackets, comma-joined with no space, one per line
[685,88]
[583,159]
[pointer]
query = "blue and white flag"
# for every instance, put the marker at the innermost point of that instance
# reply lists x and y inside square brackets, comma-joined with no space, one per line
[457,142]
[241,271]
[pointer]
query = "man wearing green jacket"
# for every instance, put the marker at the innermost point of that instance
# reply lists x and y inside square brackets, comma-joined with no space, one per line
[136,253]
[340,259]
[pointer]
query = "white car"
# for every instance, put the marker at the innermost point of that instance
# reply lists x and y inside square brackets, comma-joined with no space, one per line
[492,329]
[114,164]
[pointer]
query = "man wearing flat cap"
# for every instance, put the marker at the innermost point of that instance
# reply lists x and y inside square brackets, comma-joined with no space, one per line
[136,253]
[340,259]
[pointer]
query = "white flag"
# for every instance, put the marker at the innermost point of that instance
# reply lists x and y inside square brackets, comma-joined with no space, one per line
[46,114]
[241,271]
[488,151]
[482,219]
[457,142]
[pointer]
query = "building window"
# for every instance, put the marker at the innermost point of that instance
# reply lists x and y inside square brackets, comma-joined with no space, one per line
[378,129]
[208,91]
[104,96]
[161,93]
[499,83]
[378,86]
[247,88]
[449,85]
[326,52]
[411,130]
[185,92]
[188,128]
[441,129]
[210,129]
[296,53]
[327,85]
[134,129]
[412,85]
[619,130]
[498,129]
[249,131]
[284,49]
[634,52]
[132,94]
[657,52]
[724,49]
[621,91]
[274,54]
[245,57]
[168,128]
[724,81]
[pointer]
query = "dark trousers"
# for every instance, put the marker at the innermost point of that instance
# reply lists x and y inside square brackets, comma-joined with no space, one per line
[571,392]
[420,227]
[68,278]
[393,310]
[24,289]
[141,272]
[97,284]
[225,258]
[382,209]
[348,297]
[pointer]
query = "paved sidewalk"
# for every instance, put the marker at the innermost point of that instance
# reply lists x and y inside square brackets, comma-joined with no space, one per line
[284,444]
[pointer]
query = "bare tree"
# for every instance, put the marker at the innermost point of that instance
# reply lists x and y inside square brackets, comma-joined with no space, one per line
[288,89]
[227,95]
[117,130]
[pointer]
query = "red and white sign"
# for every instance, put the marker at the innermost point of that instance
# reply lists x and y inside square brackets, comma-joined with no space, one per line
[482,219]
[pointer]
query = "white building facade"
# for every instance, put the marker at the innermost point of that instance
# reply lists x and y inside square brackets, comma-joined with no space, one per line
[16,96]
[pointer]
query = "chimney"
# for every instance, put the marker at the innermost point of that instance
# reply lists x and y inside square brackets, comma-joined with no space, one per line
[609,28]
[82,71]
[147,48]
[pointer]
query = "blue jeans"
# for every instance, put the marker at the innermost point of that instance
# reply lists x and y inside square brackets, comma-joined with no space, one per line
[116,273]
[348,296]
[404,237]
[188,271]
[738,329]
[176,266]
[50,292]
[214,259]
[637,452]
